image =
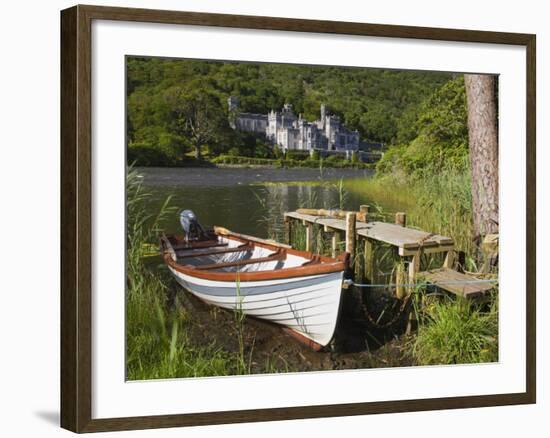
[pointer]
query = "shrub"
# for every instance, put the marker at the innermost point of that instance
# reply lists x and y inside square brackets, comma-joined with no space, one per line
[262,150]
[334,158]
[313,164]
[277,152]
[297,155]
[233,152]
[142,154]
[232,159]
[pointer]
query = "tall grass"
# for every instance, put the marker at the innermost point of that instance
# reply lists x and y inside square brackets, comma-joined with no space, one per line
[157,343]
[342,194]
[272,207]
[435,201]
[456,332]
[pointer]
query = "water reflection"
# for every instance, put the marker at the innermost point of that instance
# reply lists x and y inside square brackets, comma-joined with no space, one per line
[254,207]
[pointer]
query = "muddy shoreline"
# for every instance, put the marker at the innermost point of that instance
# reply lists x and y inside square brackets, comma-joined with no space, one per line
[268,349]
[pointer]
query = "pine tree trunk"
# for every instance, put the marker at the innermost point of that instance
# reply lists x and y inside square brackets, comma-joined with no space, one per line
[483,140]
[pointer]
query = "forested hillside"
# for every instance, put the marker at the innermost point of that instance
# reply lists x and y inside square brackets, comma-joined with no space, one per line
[419,116]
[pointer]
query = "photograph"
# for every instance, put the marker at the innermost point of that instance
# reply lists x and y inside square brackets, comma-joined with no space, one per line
[285,218]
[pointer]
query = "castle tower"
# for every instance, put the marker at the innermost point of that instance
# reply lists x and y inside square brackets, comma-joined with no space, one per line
[232,103]
[323,114]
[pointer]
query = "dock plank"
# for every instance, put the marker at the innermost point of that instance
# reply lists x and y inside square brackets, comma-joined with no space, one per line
[407,239]
[442,276]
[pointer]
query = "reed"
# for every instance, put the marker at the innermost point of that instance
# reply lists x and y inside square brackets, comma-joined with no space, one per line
[273,208]
[342,194]
[436,201]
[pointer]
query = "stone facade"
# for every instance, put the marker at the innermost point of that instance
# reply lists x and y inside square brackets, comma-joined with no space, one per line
[247,122]
[289,132]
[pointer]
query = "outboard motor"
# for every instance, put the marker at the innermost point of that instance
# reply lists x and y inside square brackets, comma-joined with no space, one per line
[191,226]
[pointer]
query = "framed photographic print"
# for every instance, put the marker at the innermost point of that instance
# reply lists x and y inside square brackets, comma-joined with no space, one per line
[268,218]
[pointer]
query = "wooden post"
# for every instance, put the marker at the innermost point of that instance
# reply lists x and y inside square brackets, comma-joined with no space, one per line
[334,243]
[400,279]
[449,260]
[414,267]
[369,261]
[309,236]
[363,213]
[288,231]
[350,236]
[489,249]
[401,219]
[350,232]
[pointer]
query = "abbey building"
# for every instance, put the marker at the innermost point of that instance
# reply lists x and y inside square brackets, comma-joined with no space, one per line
[290,132]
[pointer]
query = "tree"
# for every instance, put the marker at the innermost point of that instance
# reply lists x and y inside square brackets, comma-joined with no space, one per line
[483,143]
[196,115]
[437,138]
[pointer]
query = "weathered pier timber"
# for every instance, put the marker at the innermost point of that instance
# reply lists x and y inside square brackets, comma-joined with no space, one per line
[410,244]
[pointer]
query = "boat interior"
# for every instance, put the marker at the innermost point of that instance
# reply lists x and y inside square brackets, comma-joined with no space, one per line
[228,254]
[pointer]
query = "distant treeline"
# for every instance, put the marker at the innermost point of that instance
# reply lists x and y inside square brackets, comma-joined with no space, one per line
[176,107]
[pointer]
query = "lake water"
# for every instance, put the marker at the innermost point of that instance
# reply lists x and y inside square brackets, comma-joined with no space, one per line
[252,201]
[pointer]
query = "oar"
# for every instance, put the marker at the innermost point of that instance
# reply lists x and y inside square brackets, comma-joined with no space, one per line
[225,232]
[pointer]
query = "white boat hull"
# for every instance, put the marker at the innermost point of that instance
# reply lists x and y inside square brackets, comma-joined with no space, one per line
[308,305]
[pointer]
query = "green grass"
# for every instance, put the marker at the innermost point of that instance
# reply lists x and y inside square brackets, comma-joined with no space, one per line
[157,341]
[456,332]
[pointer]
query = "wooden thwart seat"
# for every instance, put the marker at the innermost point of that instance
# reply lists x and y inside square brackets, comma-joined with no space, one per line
[313,261]
[240,248]
[199,245]
[456,282]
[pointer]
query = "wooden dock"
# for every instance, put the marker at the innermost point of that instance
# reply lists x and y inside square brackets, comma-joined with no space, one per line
[408,240]
[355,228]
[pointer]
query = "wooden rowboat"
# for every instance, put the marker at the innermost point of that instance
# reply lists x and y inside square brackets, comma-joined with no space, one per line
[263,279]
